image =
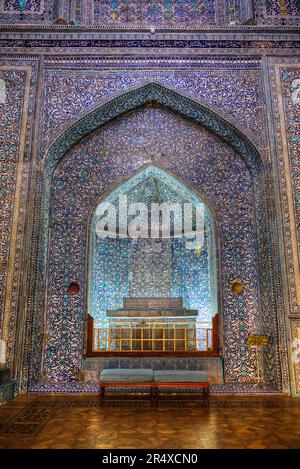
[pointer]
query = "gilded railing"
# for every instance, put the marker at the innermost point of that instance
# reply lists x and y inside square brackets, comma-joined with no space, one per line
[152,337]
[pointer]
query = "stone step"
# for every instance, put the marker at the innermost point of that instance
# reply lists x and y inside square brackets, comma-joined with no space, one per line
[153,303]
[151,312]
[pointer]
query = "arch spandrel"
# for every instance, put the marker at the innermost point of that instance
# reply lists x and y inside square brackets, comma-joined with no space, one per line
[158,94]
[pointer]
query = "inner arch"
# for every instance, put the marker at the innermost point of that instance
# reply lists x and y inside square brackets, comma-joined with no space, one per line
[152,280]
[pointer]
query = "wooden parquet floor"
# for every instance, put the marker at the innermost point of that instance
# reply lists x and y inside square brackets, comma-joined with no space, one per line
[47,421]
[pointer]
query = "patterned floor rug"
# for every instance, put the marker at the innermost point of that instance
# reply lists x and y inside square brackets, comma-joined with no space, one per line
[30,420]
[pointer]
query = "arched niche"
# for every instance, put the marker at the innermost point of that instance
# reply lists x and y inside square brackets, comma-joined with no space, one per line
[176,264]
[244,151]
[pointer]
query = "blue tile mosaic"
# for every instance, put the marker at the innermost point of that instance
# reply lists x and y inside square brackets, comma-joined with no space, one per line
[111,154]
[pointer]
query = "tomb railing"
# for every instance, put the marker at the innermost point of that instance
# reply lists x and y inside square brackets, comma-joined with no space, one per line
[150,337]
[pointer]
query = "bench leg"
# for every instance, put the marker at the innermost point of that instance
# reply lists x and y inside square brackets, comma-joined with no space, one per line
[102,392]
[152,393]
[156,392]
[206,393]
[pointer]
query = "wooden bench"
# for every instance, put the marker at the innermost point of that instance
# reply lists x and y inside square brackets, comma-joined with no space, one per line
[146,378]
[181,379]
[127,378]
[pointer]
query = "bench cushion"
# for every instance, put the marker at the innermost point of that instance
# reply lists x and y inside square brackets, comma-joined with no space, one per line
[126,375]
[180,376]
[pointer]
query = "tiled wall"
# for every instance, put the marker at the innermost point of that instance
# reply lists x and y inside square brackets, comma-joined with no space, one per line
[156,13]
[66,93]
[197,158]
[91,367]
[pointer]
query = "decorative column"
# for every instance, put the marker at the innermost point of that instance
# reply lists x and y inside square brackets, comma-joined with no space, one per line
[247,15]
[88,12]
[61,11]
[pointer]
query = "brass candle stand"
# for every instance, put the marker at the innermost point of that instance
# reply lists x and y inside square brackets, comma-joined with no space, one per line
[258,341]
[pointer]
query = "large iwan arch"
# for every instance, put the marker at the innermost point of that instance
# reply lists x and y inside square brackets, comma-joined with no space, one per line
[114,109]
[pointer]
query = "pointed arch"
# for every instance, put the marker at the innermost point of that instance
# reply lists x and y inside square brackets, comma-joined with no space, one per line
[166,97]
[161,173]
[101,281]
